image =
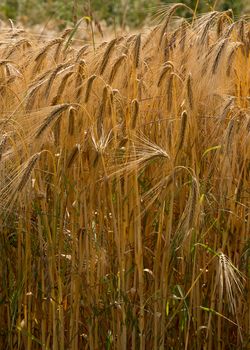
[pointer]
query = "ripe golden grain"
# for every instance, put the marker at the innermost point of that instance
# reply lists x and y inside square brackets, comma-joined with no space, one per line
[135,112]
[89,87]
[27,171]
[106,56]
[137,49]
[61,88]
[115,68]
[54,114]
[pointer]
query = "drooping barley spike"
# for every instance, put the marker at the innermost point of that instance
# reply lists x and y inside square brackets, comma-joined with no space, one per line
[43,53]
[170,92]
[229,135]
[46,47]
[166,68]
[130,38]
[80,72]
[137,49]
[2,145]
[106,56]
[229,31]
[182,133]
[226,108]
[115,67]
[101,113]
[150,36]
[141,87]
[218,55]
[61,88]
[135,112]
[173,38]
[31,96]
[89,87]
[57,131]
[81,52]
[169,135]
[58,51]
[42,77]
[66,32]
[183,35]
[231,57]
[102,45]
[21,42]
[220,26]
[207,25]
[73,155]
[166,47]
[51,79]
[71,123]
[241,30]
[56,112]
[80,78]
[190,92]
[27,171]
[168,17]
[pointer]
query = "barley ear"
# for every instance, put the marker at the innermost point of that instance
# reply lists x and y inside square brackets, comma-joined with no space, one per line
[2,145]
[56,112]
[170,92]
[73,155]
[168,17]
[107,55]
[218,55]
[27,171]
[137,49]
[115,68]
[182,132]
[135,112]
[89,87]
[190,92]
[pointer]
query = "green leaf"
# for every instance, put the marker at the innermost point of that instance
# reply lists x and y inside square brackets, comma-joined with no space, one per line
[211,149]
[73,32]
[167,308]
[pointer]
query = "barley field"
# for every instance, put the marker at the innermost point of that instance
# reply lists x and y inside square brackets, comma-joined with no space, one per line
[125,188]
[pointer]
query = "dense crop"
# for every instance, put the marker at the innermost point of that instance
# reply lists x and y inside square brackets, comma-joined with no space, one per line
[125,188]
